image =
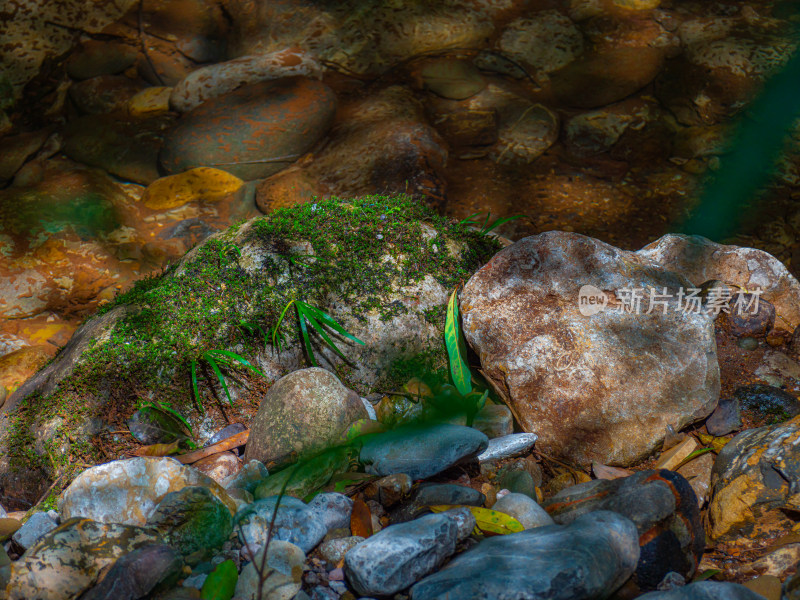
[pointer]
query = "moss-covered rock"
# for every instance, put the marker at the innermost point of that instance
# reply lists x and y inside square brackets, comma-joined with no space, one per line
[382,267]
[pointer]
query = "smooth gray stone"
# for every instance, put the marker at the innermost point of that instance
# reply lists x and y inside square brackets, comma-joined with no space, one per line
[332,509]
[294,523]
[248,477]
[524,509]
[726,417]
[705,590]
[589,558]
[33,530]
[400,555]
[421,451]
[508,445]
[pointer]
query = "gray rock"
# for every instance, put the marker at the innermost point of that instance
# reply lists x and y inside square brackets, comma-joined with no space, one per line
[282,575]
[520,482]
[705,590]
[33,530]
[248,477]
[589,404]
[303,412]
[334,550]
[400,555]
[331,509]
[138,573]
[433,494]
[726,417]
[769,401]
[226,432]
[421,451]
[464,519]
[524,509]
[294,523]
[507,446]
[590,558]
[662,505]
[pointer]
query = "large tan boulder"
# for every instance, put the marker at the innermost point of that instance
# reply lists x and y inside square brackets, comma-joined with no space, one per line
[602,385]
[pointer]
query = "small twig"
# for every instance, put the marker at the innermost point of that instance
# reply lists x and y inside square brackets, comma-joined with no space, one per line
[50,489]
[287,158]
[563,464]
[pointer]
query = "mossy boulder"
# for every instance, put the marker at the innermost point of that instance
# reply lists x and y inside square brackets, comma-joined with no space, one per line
[382,267]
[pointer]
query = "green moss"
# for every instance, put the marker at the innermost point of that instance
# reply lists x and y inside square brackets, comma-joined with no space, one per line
[201,305]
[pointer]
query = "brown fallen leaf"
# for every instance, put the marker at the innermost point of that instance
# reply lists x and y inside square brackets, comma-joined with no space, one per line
[602,471]
[157,449]
[361,518]
[240,439]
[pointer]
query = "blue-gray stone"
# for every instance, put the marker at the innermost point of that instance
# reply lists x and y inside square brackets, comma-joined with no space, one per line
[400,555]
[589,558]
[705,590]
[294,523]
[33,530]
[726,417]
[332,509]
[421,451]
[434,494]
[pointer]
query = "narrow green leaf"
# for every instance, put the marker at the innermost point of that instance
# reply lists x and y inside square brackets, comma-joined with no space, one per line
[233,356]
[497,223]
[195,390]
[456,348]
[319,329]
[276,334]
[470,220]
[221,582]
[304,333]
[210,358]
[330,322]
[707,574]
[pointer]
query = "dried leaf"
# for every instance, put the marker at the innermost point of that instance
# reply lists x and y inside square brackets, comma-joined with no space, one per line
[716,443]
[602,471]
[157,449]
[361,518]
[487,520]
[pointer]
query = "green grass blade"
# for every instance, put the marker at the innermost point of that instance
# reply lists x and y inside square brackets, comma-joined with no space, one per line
[276,334]
[321,331]
[499,222]
[330,322]
[210,358]
[195,390]
[176,414]
[304,333]
[456,348]
[236,357]
[470,220]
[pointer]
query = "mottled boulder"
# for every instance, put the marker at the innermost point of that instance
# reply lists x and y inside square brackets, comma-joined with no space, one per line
[664,509]
[400,555]
[127,491]
[70,558]
[420,451]
[598,386]
[242,131]
[217,79]
[590,558]
[219,466]
[303,412]
[753,481]
[546,41]
[700,260]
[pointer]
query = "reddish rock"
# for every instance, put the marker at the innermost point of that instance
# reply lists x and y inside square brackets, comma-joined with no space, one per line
[103,94]
[219,466]
[254,131]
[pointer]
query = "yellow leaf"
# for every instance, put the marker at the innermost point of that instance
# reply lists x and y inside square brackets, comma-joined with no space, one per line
[202,184]
[486,519]
[157,449]
[717,443]
[149,102]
